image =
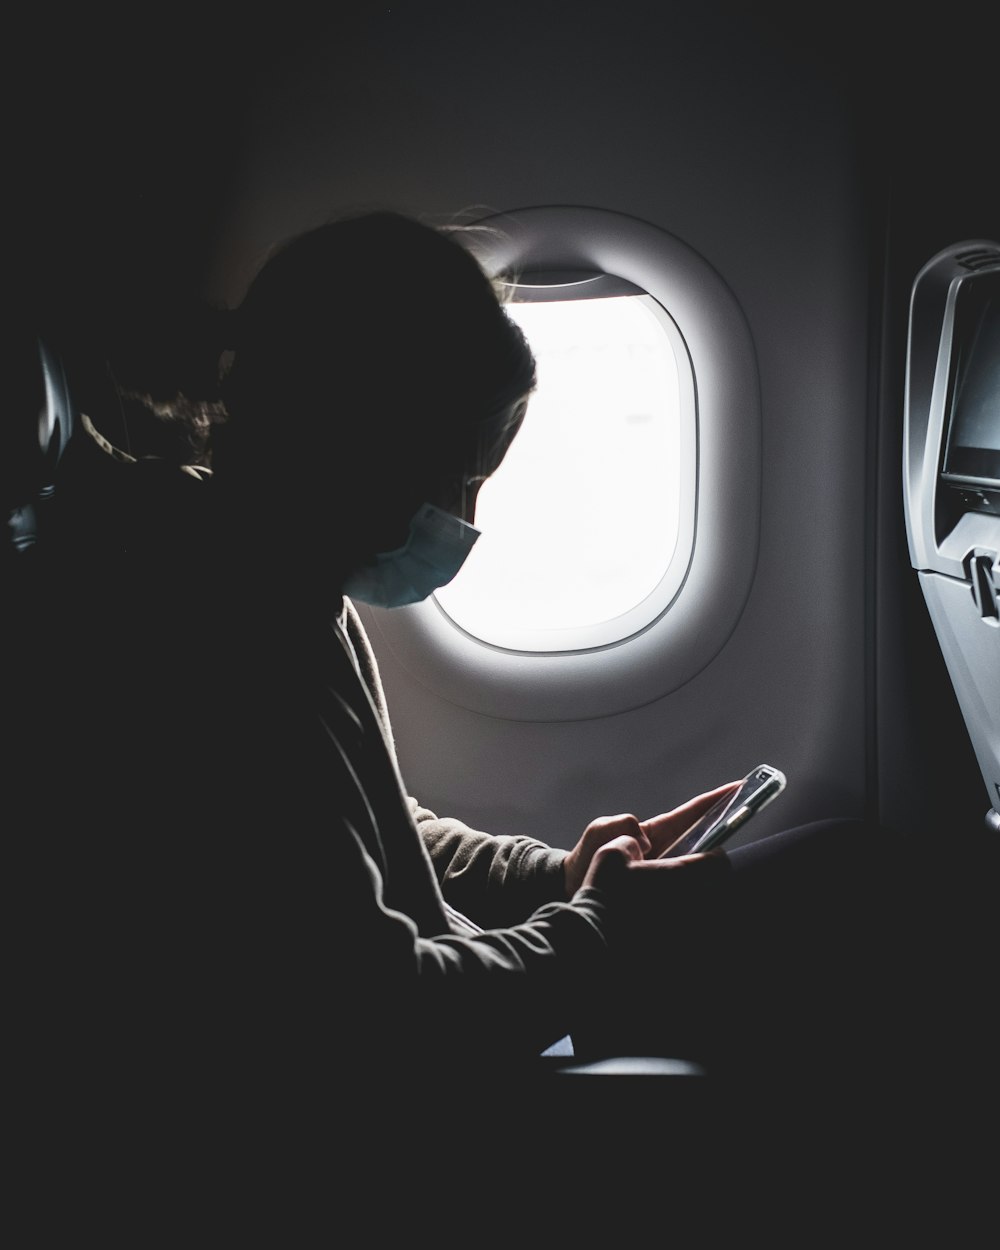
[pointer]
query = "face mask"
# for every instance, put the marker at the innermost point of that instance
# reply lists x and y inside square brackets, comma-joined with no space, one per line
[434,552]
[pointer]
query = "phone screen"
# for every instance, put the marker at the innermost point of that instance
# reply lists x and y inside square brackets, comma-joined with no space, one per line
[720,822]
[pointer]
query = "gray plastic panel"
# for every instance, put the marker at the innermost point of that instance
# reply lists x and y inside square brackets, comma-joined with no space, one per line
[943,542]
[971,649]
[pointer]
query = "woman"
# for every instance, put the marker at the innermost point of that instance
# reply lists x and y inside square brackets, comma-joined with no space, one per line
[376,381]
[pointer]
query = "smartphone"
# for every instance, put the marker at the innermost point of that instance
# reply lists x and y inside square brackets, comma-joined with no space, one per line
[756,790]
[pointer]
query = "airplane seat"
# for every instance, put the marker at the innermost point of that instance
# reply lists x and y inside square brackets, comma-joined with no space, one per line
[951,479]
[38,426]
[39,423]
[74,503]
[88,527]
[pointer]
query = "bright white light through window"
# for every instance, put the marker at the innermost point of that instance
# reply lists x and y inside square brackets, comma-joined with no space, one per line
[580,523]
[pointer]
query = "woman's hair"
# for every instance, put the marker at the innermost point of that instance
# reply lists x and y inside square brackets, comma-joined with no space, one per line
[373,334]
[370,367]
[376,350]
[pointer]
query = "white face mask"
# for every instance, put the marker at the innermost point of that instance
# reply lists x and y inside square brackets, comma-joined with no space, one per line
[433,553]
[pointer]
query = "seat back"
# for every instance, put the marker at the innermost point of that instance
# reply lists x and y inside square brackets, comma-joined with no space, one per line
[951,479]
[38,421]
[37,425]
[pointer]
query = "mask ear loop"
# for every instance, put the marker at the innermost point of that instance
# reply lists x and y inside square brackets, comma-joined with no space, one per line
[467,481]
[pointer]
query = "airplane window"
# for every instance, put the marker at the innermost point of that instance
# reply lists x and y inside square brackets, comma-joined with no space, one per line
[619,535]
[587,524]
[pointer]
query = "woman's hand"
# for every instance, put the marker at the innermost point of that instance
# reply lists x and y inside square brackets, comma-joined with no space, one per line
[662,831]
[633,839]
[598,833]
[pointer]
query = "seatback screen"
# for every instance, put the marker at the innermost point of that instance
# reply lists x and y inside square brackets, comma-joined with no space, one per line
[972,453]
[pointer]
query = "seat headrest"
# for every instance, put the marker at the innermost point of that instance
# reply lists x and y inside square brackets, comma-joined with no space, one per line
[38,421]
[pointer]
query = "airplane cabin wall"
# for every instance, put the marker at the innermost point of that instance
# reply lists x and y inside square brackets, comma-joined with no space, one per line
[816,160]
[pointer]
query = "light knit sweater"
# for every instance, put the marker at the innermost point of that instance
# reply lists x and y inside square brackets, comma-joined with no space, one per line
[480,920]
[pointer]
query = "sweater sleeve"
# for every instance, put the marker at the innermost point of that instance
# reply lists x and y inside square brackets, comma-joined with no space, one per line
[505,992]
[494,879]
[510,982]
